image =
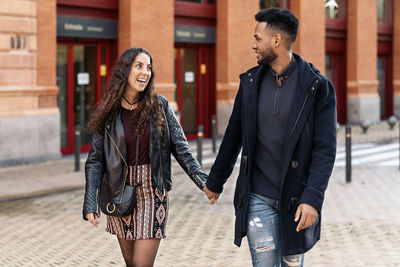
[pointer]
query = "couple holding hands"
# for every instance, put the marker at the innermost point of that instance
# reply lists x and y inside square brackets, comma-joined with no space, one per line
[283,121]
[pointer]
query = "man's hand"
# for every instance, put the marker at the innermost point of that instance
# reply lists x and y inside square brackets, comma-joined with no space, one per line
[93,218]
[308,215]
[213,197]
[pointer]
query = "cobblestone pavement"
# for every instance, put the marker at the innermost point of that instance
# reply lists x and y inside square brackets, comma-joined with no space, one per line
[361,227]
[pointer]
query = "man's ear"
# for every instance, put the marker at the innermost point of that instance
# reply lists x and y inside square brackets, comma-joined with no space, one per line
[277,40]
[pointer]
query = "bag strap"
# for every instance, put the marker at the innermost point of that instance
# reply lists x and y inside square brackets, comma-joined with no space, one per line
[137,159]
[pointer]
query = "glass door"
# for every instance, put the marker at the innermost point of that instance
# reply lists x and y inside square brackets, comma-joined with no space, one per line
[84,87]
[188,98]
[192,89]
[81,77]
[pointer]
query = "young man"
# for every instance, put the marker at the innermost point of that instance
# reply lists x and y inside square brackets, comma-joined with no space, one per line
[284,119]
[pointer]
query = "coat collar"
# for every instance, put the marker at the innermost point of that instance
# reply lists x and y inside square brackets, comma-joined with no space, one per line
[308,80]
[307,73]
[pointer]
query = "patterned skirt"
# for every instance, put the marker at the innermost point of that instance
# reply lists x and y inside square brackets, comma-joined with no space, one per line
[149,217]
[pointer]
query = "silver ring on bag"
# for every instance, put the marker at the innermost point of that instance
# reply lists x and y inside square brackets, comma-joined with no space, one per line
[108,209]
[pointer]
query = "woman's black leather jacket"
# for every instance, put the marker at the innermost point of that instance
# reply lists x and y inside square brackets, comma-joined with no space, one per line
[107,158]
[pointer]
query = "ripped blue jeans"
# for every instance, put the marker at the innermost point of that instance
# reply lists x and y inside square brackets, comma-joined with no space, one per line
[263,234]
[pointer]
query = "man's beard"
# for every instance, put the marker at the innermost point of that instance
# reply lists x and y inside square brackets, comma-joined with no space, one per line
[268,58]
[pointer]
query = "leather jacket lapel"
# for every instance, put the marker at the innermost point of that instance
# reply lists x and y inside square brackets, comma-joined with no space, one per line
[118,134]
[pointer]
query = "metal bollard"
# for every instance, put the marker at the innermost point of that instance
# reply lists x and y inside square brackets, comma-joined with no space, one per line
[200,144]
[77,143]
[365,125]
[392,122]
[214,133]
[348,154]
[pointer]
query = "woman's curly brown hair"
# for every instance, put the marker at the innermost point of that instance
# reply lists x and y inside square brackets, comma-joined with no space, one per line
[111,100]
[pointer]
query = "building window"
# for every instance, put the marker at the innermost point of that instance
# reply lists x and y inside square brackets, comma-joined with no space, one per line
[209,2]
[385,11]
[335,9]
[274,3]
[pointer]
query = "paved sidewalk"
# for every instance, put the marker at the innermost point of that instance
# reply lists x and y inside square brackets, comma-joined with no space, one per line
[361,227]
[58,175]
[361,221]
[39,179]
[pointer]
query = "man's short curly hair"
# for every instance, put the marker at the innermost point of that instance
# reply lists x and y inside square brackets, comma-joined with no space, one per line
[281,20]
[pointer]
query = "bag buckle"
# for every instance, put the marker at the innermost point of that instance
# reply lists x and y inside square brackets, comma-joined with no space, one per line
[108,208]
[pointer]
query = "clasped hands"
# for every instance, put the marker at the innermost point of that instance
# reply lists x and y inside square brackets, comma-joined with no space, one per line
[213,197]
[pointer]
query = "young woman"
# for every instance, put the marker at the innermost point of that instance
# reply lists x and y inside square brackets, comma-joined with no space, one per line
[130,111]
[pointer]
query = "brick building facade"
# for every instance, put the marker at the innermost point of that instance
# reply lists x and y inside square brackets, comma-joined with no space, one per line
[56,55]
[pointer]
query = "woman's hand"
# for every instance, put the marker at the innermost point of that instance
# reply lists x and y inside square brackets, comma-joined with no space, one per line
[93,218]
[213,197]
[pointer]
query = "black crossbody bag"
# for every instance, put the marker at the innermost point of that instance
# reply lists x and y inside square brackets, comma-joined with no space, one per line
[124,205]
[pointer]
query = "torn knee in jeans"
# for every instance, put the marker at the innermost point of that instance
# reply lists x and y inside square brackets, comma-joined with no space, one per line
[265,245]
[292,260]
[255,222]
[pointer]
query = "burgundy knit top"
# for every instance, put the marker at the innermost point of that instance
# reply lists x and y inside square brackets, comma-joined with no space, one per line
[130,138]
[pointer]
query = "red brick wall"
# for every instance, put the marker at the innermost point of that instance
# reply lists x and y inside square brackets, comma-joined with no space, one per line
[310,43]
[47,53]
[362,48]
[150,26]
[18,66]
[235,30]
[27,57]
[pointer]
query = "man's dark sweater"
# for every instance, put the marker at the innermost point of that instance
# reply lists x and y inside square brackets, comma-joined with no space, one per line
[275,97]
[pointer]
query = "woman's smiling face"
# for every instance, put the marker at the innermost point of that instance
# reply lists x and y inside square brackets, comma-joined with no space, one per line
[140,73]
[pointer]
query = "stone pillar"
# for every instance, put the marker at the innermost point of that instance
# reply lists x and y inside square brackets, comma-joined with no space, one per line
[150,27]
[29,117]
[396,58]
[235,30]
[362,83]
[310,42]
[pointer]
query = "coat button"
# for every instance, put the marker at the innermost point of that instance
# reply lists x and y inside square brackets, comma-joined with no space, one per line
[251,80]
[249,74]
[294,164]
